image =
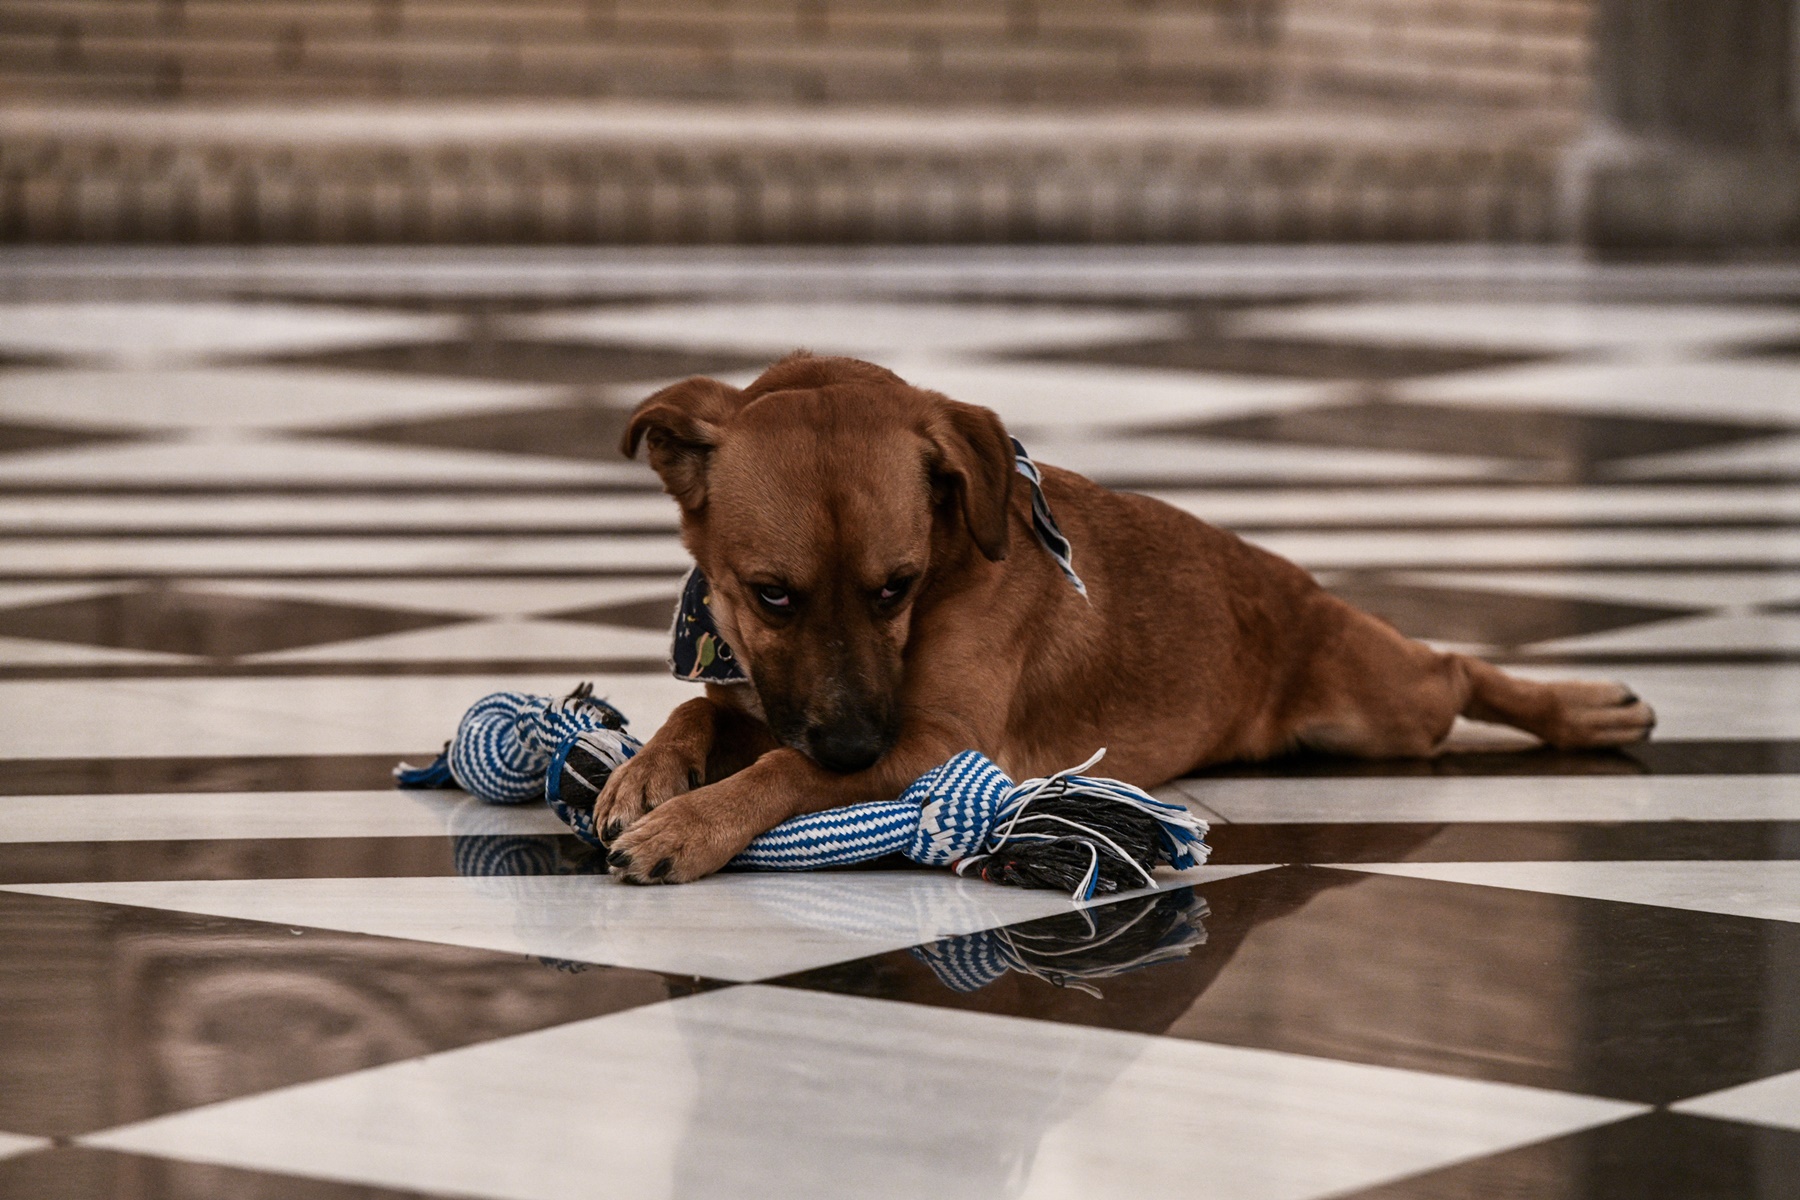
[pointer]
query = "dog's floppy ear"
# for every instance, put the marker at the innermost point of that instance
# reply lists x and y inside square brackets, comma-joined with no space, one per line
[682,426]
[971,460]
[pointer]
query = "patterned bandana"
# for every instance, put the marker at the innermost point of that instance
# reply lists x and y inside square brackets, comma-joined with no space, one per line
[698,654]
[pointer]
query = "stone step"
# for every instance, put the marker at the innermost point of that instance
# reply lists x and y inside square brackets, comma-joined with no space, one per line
[806,51]
[1499,52]
[612,173]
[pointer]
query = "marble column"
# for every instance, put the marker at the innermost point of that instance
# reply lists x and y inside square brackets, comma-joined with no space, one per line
[1694,139]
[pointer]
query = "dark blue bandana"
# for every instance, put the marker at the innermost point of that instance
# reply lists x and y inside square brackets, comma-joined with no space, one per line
[697,653]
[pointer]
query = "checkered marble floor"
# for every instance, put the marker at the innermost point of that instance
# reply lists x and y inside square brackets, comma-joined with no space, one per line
[261,538]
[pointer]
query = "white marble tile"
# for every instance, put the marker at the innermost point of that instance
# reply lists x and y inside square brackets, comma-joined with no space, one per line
[350,714]
[1474,737]
[1766,889]
[1035,397]
[1729,390]
[1764,456]
[182,816]
[736,926]
[36,652]
[1700,589]
[130,333]
[1504,798]
[1704,702]
[329,554]
[1221,461]
[1527,325]
[18,1143]
[1774,1101]
[864,329]
[1576,547]
[173,514]
[247,458]
[488,597]
[508,638]
[326,714]
[761,1092]
[930,272]
[1721,633]
[1222,506]
[247,397]
[1479,506]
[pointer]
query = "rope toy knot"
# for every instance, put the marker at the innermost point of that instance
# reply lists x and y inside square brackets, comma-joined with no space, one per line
[505,740]
[959,804]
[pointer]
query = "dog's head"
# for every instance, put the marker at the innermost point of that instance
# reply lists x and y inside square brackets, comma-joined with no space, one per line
[823,503]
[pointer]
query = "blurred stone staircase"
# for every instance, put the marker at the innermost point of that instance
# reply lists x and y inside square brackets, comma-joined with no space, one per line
[1481,53]
[785,120]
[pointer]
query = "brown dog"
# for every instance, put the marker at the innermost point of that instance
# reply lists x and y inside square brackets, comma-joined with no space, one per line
[875,570]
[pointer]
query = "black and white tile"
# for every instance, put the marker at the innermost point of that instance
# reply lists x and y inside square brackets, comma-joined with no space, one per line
[255,549]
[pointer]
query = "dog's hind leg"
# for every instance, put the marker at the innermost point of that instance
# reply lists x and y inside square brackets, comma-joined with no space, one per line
[1568,714]
[1369,691]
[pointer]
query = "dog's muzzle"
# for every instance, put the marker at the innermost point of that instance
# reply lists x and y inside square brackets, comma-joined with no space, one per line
[848,745]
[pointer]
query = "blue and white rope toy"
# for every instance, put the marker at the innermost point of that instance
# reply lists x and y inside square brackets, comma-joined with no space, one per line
[1066,830]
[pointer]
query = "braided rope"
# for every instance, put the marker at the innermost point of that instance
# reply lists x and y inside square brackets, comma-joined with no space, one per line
[511,747]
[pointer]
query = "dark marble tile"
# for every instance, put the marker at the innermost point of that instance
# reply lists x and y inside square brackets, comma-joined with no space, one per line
[294,858]
[657,614]
[346,664]
[1630,1001]
[1658,1156]
[1566,444]
[1782,351]
[1207,349]
[1505,619]
[580,364]
[1659,756]
[480,307]
[110,1013]
[201,623]
[1504,841]
[350,662]
[247,773]
[638,482]
[1661,658]
[85,1173]
[17,437]
[22,358]
[590,432]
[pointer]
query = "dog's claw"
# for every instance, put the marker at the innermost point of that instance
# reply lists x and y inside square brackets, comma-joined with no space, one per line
[619,860]
[612,831]
[662,868]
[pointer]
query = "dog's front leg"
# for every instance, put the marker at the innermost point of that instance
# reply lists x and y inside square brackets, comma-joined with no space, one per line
[702,741]
[696,833]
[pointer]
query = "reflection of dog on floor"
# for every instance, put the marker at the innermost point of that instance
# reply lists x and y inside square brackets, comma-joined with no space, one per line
[895,595]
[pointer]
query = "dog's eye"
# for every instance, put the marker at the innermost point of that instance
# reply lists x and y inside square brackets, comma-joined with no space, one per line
[895,589]
[774,597]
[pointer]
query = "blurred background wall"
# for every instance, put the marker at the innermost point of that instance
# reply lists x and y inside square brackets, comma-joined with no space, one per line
[898,121]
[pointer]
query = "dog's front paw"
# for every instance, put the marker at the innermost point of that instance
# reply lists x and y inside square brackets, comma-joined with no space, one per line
[680,841]
[654,775]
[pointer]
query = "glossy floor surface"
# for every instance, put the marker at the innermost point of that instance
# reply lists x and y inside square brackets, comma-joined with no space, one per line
[259,541]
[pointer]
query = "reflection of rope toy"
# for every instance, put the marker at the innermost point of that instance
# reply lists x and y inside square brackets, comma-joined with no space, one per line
[1083,835]
[1114,939]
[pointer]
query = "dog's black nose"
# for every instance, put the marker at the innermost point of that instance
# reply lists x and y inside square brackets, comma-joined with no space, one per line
[847,747]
